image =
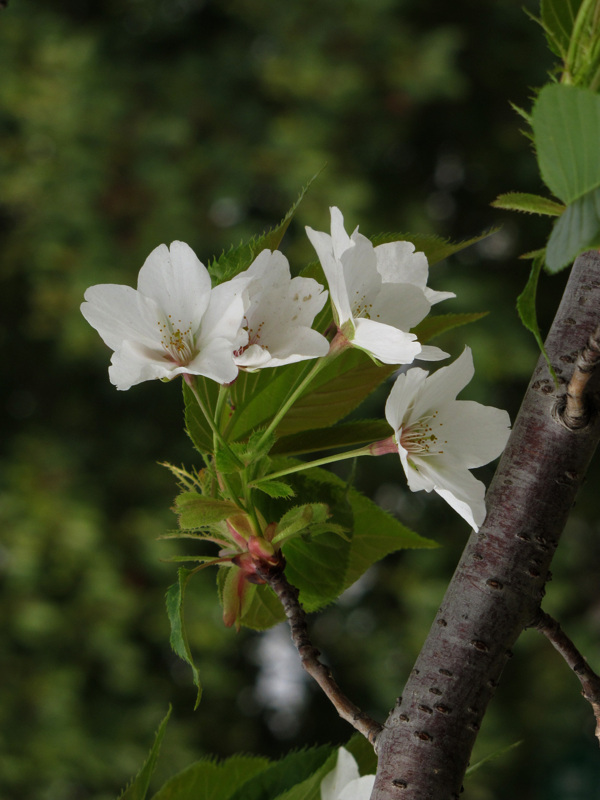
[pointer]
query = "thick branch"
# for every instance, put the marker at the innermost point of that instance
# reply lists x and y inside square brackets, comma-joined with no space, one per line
[309,655]
[590,682]
[498,585]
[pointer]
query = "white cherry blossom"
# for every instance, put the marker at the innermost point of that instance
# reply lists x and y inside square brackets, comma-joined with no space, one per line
[378,293]
[440,439]
[279,315]
[173,324]
[344,783]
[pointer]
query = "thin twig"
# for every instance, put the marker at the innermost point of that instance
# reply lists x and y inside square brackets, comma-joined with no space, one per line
[577,412]
[309,655]
[590,682]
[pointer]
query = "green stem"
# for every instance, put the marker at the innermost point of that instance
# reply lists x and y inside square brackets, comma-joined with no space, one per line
[361,451]
[575,43]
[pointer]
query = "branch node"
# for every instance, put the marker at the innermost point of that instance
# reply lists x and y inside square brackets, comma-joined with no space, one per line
[574,409]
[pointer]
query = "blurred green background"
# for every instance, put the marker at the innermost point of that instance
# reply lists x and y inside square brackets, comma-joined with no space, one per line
[127,124]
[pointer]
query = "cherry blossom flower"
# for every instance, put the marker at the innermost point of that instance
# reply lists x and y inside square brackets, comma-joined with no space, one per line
[173,324]
[344,783]
[440,439]
[279,316]
[378,293]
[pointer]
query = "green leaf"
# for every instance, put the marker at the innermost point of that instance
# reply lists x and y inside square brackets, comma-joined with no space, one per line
[437,324]
[208,780]
[263,610]
[492,757]
[435,248]
[527,311]
[179,640]
[345,434]
[566,128]
[299,519]
[575,232]
[229,459]
[310,789]
[283,775]
[196,511]
[238,259]
[275,488]
[138,788]
[529,204]
[558,17]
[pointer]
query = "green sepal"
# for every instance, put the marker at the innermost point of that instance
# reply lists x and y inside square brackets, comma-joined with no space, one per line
[529,204]
[209,780]
[179,640]
[527,311]
[197,511]
[138,788]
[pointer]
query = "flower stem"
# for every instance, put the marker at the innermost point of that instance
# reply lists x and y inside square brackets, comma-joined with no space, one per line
[361,451]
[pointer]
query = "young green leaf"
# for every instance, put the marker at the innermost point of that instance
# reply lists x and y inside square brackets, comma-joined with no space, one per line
[435,248]
[208,780]
[345,434]
[299,519]
[566,128]
[238,259]
[526,308]
[281,776]
[529,204]
[437,324]
[310,788]
[196,424]
[138,788]
[558,18]
[274,488]
[196,511]
[179,641]
[575,232]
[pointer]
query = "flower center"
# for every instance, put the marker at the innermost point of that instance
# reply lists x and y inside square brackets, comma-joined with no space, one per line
[177,341]
[360,307]
[420,439]
[253,337]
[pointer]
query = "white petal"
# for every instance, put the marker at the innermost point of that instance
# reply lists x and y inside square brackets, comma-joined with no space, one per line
[119,313]
[333,273]
[402,396]
[363,282]
[472,433]
[401,305]
[214,361]
[386,343]
[437,297]
[359,789]
[346,770]
[133,363]
[340,241]
[443,386]
[178,282]
[417,480]
[255,357]
[430,353]
[397,262]
[457,486]
[225,312]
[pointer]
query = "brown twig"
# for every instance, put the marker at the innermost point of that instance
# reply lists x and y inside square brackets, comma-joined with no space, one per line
[309,655]
[576,412]
[590,682]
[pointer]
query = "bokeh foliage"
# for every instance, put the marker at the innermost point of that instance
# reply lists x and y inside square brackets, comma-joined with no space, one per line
[126,124]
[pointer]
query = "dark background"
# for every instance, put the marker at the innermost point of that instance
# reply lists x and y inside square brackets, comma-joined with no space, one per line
[127,124]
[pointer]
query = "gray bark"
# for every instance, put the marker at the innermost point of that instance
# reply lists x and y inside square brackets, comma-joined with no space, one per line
[498,585]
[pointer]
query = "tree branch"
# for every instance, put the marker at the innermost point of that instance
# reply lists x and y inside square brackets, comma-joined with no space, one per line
[590,682]
[576,408]
[497,588]
[309,655]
